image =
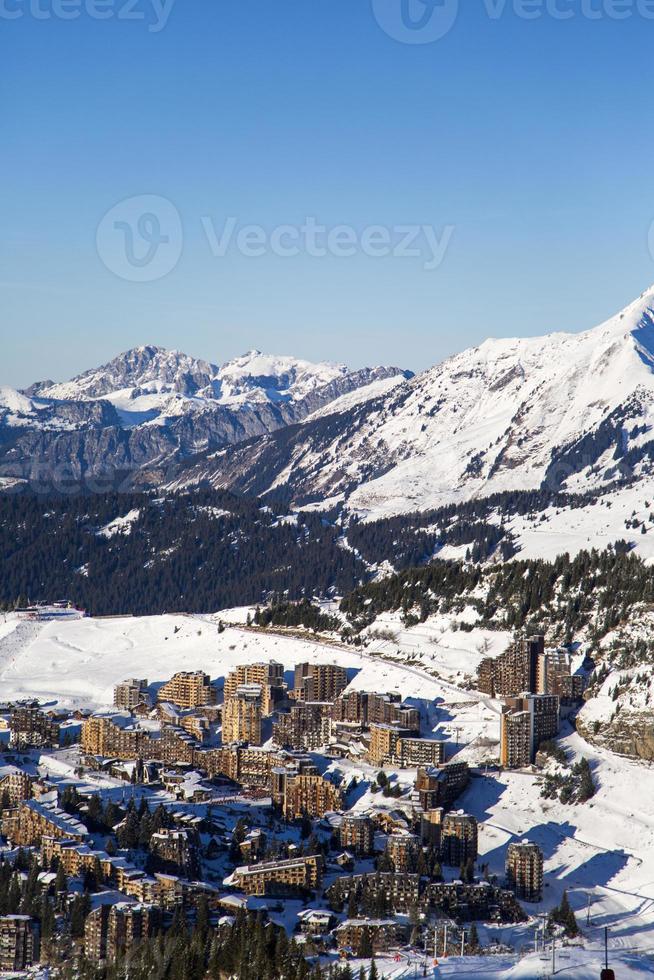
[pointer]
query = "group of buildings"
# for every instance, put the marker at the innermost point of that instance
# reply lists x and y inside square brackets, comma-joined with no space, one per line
[24,725]
[186,729]
[532,683]
[181,740]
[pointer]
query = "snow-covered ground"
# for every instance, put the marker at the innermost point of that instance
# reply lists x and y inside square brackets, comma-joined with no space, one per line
[597,525]
[437,644]
[602,852]
[570,964]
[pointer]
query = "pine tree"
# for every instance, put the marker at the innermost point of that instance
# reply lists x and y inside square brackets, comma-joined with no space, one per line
[365,950]
[61,881]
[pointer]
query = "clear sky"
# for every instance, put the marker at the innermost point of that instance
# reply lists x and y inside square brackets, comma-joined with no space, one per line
[524,146]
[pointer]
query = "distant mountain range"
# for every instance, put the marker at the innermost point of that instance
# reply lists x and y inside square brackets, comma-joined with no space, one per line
[155,407]
[565,413]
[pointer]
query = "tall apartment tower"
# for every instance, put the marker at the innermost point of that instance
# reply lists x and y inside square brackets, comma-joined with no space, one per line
[458,838]
[516,738]
[242,715]
[524,871]
[269,676]
[525,722]
[130,693]
[514,671]
[188,689]
[319,682]
[357,833]
[19,945]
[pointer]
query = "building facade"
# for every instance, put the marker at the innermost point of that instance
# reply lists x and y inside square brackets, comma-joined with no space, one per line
[319,682]
[524,871]
[357,834]
[130,693]
[514,671]
[269,676]
[459,838]
[282,878]
[188,689]
[19,943]
[242,716]
[525,722]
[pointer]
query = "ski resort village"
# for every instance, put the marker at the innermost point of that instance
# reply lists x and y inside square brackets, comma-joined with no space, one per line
[419,803]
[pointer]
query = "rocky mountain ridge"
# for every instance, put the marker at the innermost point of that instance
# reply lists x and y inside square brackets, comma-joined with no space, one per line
[150,406]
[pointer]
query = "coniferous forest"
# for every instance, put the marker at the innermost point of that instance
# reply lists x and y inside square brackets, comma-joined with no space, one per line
[144,554]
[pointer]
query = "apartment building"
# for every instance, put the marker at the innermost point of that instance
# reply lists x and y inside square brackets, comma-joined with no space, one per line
[357,834]
[19,943]
[311,794]
[365,708]
[188,689]
[479,901]
[514,671]
[242,715]
[402,893]
[319,682]
[393,745]
[112,930]
[130,693]
[402,849]
[15,785]
[524,871]
[77,858]
[30,727]
[26,825]
[352,707]
[525,722]
[399,892]
[440,786]
[383,934]
[248,765]
[384,743]
[269,676]
[306,726]
[112,736]
[555,676]
[285,768]
[294,876]
[176,746]
[458,838]
[175,848]
[415,752]
[516,738]
[431,823]
[196,725]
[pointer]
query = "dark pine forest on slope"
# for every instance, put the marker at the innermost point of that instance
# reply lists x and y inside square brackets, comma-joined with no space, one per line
[179,553]
[199,552]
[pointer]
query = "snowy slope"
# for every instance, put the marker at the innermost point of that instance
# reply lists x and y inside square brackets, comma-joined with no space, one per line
[79,661]
[572,411]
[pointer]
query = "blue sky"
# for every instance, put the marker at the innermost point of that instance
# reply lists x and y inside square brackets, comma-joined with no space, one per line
[530,139]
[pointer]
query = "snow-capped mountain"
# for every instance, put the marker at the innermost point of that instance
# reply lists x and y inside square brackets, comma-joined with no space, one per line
[148,377]
[151,405]
[566,411]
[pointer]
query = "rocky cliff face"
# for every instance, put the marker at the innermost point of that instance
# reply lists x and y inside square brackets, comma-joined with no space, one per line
[630,734]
